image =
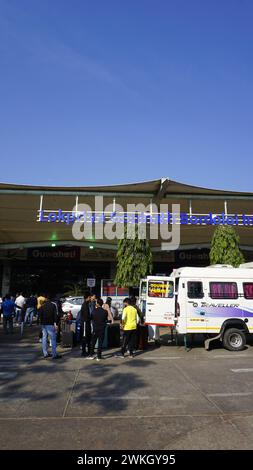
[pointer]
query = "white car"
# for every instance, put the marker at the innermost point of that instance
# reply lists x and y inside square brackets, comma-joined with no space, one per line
[72,304]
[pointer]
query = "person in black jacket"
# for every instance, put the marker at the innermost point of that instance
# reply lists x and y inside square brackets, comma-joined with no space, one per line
[30,305]
[85,320]
[60,314]
[99,320]
[48,320]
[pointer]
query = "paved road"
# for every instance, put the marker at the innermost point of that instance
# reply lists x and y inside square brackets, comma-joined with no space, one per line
[165,398]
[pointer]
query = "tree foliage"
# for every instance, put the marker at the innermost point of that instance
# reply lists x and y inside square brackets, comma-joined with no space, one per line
[134,260]
[73,290]
[225,247]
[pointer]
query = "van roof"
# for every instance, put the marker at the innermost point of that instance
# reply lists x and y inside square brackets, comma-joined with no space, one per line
[215,271]
[160,278]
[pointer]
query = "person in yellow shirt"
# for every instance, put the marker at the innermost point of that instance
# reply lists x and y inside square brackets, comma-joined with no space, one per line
[129,325]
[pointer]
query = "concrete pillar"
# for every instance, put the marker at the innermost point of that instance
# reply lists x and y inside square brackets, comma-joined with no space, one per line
[112,269]
[6,279]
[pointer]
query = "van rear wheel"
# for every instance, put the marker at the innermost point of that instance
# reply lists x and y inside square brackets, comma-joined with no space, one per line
[234,339]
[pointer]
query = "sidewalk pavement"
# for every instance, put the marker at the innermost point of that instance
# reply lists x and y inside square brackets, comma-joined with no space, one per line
[162,399]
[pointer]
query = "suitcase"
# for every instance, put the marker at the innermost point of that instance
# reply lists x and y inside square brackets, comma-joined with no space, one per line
[142,337]
[67,339]
[113,333]
[73,328]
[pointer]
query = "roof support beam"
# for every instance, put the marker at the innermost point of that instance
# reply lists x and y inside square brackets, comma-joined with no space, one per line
[161,194]
[162,190]
[72,193]
[227,197]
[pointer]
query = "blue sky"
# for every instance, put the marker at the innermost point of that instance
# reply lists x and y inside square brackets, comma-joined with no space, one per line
[112,91]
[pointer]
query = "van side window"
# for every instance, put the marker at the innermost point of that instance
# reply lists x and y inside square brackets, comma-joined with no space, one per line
[248,290]
[161,289]
[195,290]
[223,290]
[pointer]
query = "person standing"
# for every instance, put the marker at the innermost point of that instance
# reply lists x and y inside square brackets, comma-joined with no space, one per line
[8,308]
[108,306]
[40,301]
[59,318]
[31,305]
[93,302]
[48,320]
[20,304]
[85,321]
[141,338]
[1,301]
[99,320]
[129,324]
[139,312]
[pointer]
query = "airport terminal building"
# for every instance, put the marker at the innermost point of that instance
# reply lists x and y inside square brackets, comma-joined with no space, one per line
[38,249]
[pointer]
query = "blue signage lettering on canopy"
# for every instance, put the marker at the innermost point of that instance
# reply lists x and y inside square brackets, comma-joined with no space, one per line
[182,218]
[69,217]
[210,219]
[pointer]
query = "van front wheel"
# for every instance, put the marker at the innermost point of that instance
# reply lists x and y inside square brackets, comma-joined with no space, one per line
[234,339]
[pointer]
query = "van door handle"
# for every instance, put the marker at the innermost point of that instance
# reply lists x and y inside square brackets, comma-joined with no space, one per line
[150,303]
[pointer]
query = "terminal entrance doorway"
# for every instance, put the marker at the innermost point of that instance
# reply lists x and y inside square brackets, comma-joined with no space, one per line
[55,277]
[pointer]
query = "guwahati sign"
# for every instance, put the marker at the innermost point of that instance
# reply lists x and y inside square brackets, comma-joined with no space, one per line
[54,253]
